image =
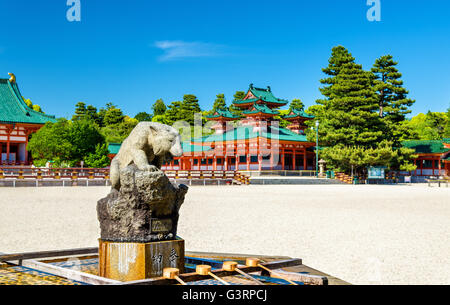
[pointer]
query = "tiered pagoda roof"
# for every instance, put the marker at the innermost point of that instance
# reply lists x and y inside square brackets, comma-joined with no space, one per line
[222,115]
[13,108]
[260,96]
[260,109]
[296,114]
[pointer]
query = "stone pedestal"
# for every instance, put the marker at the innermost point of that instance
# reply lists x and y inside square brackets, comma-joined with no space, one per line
[145,209]
[126,261]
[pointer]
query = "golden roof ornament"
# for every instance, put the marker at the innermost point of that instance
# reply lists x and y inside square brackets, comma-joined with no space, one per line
[12,80]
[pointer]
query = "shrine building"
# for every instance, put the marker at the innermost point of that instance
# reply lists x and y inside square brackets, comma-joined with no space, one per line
[17,123]
[253,141]
[433,157]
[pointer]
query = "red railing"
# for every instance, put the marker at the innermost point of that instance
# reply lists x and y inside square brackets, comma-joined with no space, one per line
[103,173]
[26,172]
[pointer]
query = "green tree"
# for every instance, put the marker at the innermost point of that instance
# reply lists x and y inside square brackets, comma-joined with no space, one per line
[37,108]
[174,113]
[189,107]
[447,126]
[239,95]
[393,102]
[143,116]
[161,119]
[391,95]
[51,142]
[30,105]
[351,129]
[99,158]
[119,132]
[159,108]
[113,116]
[91,114]
[80,111]
[219,103]
[296,104]
[430,126]
[348,116]
[84,135]
[356,159]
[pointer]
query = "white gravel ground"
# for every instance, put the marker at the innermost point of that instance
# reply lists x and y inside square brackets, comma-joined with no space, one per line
[361,234]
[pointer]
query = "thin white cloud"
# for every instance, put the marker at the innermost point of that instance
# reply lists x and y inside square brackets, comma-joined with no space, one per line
[177,49]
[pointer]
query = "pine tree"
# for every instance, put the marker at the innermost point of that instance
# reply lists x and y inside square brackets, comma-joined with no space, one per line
[348,117]
[219,103]
[392,96]
[239,95]
[189,107]
[339,57]
[159,107]
[113,116]
[296,104]
[80,111]
[143,117]
[173,113]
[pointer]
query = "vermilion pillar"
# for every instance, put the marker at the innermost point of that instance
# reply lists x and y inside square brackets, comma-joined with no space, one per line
[293,160]
[7,146]
[305,163]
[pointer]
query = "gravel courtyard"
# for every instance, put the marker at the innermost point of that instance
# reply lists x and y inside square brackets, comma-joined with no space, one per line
[361,234]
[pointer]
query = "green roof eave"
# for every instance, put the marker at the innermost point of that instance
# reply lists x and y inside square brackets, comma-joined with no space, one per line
[298,113]
[426,146]
[247,133]
[13,108]
[249,101]
[261,108]
[113,148]
[223,113]
[191,148]
[267,95]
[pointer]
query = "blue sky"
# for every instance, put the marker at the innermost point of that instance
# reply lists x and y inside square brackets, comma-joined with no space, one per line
[133,52]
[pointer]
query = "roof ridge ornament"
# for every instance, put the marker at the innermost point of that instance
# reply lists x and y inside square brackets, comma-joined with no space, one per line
[12,80]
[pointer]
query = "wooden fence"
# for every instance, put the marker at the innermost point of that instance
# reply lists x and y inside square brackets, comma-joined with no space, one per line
[73,174]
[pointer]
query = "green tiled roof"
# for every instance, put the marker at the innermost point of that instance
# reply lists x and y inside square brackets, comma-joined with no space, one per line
[222,113]
[261,108]
[298,113]
[426,146]
[246,132]
[188,147]
[265,95]
[13,108]
[447,140]
[114,148]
